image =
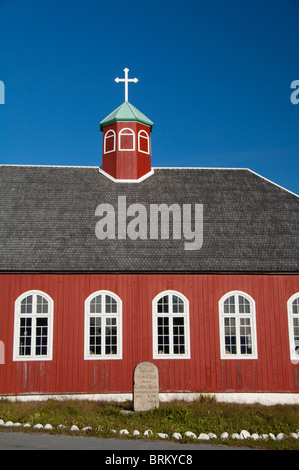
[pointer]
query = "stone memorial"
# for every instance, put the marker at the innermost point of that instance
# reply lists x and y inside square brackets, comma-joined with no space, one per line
[145,387]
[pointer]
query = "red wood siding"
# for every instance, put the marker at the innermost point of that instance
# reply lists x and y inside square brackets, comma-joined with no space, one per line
[68,372]
[126,164]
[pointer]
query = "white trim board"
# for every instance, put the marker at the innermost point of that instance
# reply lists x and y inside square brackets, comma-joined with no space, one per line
[126,180]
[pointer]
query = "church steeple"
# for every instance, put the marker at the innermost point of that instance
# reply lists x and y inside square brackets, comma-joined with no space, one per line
[126,131]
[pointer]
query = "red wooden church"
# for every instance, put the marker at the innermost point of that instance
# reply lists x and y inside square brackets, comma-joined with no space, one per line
[193,269]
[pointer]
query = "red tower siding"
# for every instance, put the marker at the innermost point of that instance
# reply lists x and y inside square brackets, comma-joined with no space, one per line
[126,164]
[205,371]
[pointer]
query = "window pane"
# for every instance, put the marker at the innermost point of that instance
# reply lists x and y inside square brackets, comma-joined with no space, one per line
[178,336]
[296,335]
[111,336]
[163,304]
[295,306]
[177,304]
[96,304]
[230,336]
[41,341]
[163,335]
[26,304]
[41,304]
[244,305]
[25,336]
[245,336]
[229,305]
[95,331]
[111,304]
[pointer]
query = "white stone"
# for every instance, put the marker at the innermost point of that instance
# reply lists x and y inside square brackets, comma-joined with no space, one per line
[1,422]
[190,434]
[212,435]
[124,431]
[114,431]
[203,437]
[38,426]
[8,423]
[87,428]
[74,428]
[280,436]
[162,435]
[177,435]
[148,432]
[265,437]
[48,427]
[27,425]
[235,435]
[17,425]
[255,436]
[244,434]
[272,436]
[294,435]
[136,433]
[61,426]
[224,435]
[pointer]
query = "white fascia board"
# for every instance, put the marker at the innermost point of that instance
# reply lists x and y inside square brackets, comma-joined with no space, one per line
[126,180]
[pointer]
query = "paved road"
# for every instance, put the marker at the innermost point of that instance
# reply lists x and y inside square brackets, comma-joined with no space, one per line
[24,441]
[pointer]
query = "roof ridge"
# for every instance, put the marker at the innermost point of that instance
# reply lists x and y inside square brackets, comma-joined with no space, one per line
[153,168]
[272,182]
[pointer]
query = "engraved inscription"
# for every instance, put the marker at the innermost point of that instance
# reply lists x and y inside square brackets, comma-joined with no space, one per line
[146,387]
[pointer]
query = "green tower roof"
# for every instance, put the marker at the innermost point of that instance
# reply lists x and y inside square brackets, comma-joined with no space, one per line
[126,112]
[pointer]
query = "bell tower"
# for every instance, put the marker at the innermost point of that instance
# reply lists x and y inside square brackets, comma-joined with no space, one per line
[126,152]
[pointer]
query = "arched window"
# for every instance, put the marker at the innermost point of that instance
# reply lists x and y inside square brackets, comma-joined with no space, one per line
[171,326]
[109,141]
[33,328]
[293,315]
[126,139]
[103,326]
[143,142]
[237,326]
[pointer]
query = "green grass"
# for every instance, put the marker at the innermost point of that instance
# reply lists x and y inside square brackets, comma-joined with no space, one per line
[203,415]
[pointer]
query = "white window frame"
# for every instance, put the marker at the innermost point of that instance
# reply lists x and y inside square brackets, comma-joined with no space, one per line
[171,315]
[121,132]
[88,355]
[238,317]
[291,317]
[33,316]
[107,136]
[146,136]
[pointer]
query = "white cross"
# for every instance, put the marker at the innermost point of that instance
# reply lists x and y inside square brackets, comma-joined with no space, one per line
[126,80]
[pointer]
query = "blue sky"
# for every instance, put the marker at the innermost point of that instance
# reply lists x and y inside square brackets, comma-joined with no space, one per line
[214,77]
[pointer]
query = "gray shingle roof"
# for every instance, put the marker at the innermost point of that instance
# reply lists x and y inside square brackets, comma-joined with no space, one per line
[47,221]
